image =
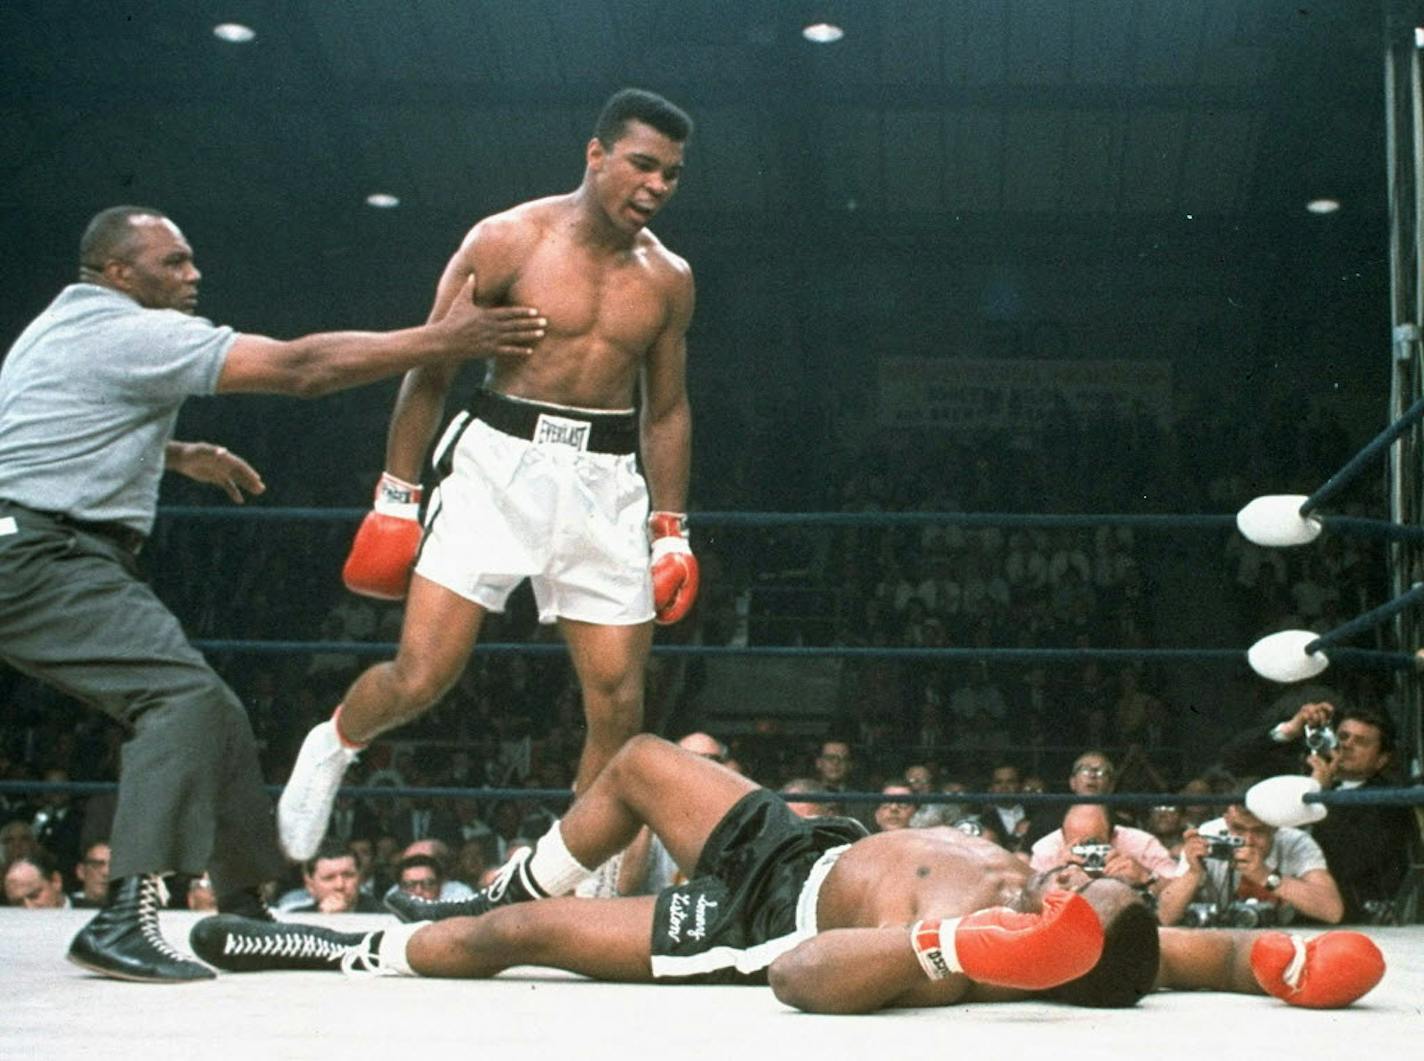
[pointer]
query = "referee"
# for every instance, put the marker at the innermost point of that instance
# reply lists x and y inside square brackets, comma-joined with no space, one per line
[89,395]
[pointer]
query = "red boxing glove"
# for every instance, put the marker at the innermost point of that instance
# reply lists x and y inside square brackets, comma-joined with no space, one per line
[1328,972]
[675,574]
[386,543]
[1032,952]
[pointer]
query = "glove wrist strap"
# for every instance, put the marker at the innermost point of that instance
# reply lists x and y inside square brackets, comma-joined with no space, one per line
[398,490]
[396,497]
[667,525]
[925,939]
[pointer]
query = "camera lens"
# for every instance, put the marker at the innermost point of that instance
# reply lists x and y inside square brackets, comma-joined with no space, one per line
[1244,916]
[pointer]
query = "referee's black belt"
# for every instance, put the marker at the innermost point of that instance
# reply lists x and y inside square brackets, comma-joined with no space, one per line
[578,429]
[121,534]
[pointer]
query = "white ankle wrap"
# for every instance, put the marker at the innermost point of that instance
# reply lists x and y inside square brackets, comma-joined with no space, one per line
[552,869]
[393,944]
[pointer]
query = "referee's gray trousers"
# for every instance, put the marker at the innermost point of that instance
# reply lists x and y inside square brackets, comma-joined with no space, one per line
[75,614]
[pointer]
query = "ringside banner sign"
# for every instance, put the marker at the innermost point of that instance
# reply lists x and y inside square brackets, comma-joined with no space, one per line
[967,394]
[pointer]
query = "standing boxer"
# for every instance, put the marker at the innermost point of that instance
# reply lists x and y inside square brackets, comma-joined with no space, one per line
[89,395]
[835,921]
[539,479]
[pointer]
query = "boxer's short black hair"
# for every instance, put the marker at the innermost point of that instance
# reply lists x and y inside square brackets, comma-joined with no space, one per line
[1128,968]
[639,105]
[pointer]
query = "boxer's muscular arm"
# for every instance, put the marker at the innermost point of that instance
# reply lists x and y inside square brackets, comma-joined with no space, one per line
[858,970]
[420,405]
[1329,971]
[666,429]
[1195,959]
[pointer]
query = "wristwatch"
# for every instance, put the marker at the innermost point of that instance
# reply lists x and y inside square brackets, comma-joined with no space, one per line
[1273,881]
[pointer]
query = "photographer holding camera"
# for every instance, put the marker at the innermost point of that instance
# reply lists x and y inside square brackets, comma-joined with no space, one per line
[1244,872]
[1088,838]
[1366,847]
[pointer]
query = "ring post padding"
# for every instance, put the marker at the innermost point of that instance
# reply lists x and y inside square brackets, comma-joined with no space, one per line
[1280,801]
[1275,519]
[1282,657]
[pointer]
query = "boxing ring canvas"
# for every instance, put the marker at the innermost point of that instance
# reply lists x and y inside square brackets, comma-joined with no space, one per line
[55,1010]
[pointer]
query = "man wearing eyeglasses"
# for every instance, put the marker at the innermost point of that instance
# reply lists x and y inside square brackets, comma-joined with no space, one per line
[1092,774]
[92,871]
[834,763]
[420,875]
[1366,847]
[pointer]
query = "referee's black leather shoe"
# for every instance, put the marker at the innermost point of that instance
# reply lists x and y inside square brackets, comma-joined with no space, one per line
[248,903]
[124,941]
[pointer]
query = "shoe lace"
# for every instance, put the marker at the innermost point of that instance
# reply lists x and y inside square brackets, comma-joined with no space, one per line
[494,891]
[292,943]
[363,959]
[152,896]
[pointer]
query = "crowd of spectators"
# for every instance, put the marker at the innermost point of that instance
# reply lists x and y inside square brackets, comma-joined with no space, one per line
[928,726]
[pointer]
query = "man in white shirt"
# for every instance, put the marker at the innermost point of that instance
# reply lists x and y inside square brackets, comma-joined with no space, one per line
[1284,867]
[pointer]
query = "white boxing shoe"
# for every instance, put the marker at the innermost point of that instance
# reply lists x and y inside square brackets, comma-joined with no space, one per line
[304,809]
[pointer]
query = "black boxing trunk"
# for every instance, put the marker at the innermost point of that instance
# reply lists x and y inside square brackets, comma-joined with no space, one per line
[738,913]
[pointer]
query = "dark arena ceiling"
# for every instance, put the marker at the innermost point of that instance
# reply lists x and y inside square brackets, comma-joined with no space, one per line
[1154,157]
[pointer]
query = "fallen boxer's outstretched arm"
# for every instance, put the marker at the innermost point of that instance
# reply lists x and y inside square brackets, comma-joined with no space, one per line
[857,970]
[1326,972]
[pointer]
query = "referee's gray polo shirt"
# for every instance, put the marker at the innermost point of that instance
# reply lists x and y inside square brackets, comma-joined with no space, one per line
[89,395]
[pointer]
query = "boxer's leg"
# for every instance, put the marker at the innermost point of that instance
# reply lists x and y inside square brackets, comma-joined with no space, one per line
[680,796]
[437,636]
[606,939]
[610,662]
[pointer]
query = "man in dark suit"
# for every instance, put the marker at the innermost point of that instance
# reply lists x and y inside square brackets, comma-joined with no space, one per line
[1366,847]
[58,821]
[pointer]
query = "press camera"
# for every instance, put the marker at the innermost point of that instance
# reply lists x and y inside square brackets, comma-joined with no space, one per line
[1223,848]
[1094,856]
[1240,913]
[1321,740]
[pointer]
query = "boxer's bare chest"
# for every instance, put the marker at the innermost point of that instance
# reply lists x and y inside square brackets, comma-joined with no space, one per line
[889,882]
[605,310]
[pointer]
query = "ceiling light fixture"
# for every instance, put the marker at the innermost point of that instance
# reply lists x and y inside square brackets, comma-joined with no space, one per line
[1323,206]
[382,200]
[823,33]
[234,32]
